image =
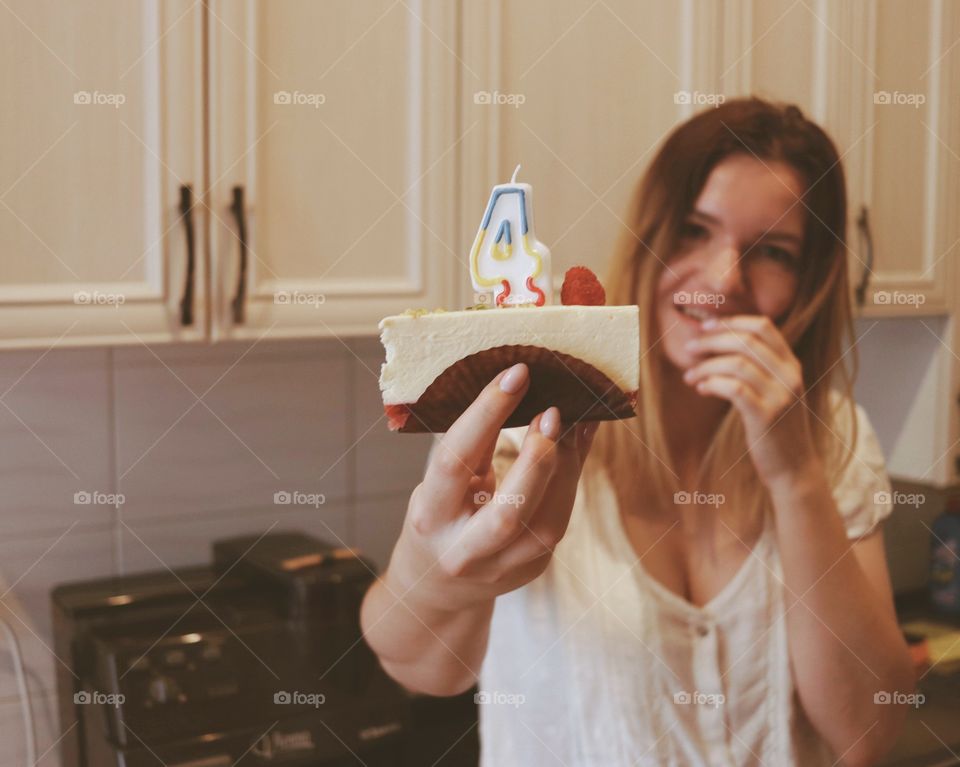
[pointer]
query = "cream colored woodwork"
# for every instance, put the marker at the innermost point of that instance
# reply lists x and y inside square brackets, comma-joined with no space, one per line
[339,121]
[841,63]
[580,94]
[101,106]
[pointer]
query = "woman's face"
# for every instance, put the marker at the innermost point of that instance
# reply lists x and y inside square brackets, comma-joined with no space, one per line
[739,252]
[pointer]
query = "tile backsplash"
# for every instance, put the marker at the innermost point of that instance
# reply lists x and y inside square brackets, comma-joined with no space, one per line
[194,441]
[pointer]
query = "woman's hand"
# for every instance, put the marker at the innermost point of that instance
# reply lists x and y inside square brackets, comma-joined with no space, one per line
[465,540]
[749,363]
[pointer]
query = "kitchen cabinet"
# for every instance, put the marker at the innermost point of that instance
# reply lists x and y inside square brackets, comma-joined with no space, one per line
[307,151]
[882,77]
[337,123]
[101,126]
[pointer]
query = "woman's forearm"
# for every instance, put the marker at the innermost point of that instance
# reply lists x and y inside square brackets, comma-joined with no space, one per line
[845,645]
[426,647]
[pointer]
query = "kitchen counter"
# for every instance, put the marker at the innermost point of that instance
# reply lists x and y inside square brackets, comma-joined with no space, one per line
[931,734]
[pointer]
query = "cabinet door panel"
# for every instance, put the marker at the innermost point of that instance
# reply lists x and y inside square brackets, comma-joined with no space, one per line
[100,119]
[339,120]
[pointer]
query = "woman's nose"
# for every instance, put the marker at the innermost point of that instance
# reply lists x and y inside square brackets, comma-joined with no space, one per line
[724,270]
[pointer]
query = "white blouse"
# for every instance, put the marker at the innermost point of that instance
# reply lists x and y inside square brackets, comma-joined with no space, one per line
[597,664]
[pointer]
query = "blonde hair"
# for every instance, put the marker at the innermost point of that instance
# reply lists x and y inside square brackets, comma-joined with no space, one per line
[635,452]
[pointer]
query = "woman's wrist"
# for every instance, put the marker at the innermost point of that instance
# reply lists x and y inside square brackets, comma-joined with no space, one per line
[806,482]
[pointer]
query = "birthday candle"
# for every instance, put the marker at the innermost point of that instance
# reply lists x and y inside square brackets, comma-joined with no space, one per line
[507,259]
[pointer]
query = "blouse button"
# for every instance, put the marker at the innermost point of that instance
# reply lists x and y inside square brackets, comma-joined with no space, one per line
[702,630]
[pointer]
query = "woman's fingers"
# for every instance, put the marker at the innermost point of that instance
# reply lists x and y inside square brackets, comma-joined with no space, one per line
[737,365]
[504,517]
[464,451]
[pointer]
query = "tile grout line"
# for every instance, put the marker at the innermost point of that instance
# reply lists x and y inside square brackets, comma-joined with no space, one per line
[350,434]
[112,459]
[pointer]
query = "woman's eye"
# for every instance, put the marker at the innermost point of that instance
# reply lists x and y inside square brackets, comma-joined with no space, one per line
[780,255]
[693,231]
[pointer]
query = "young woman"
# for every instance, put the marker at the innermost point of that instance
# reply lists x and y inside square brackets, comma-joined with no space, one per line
[710,587]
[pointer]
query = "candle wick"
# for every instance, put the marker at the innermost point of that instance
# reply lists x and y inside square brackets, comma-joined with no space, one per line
[513,178]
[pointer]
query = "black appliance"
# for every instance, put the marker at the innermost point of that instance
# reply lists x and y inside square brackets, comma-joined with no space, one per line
[255,660]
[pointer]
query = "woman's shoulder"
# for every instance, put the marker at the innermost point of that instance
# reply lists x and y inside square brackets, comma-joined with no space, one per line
[861,485]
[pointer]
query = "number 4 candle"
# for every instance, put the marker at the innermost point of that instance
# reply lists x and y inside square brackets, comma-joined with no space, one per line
[506,258]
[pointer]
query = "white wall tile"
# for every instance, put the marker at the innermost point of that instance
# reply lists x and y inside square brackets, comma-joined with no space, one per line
[385,462]
[46,727]
[29,569]
[55,438]
[279,421]
[378,522]
[187,540]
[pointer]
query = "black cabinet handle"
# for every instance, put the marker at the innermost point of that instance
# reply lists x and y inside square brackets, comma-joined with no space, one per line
[186,213]
[238,305]
[863,225]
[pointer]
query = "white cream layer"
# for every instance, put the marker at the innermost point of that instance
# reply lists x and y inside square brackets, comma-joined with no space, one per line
[421,348]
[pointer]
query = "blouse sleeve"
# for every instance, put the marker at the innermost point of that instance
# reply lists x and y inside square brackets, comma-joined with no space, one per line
[862,492]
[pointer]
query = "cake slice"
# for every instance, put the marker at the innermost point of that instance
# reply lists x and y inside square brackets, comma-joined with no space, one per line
[585,360]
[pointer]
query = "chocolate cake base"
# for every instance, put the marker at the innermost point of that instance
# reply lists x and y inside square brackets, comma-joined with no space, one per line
[576,388]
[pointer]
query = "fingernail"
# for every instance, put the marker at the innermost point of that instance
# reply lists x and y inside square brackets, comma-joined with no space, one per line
[550,423]
[709,324]
[514,378]
[590,431]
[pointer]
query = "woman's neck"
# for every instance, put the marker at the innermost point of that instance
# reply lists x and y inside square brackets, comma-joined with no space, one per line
[690,420]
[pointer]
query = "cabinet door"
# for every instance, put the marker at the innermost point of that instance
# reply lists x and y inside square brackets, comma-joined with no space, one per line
[100,122]
[333,159]
[904,97]
[581,95]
